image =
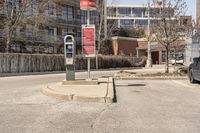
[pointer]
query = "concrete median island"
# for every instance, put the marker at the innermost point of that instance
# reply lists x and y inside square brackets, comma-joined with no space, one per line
[101,90]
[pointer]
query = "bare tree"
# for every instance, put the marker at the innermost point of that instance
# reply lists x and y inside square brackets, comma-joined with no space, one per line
[111,26]
[19,13]
[167,26]
[39,18]
[13,16]
[101,41]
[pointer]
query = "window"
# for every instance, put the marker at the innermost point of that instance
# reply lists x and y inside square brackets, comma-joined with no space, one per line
[67,31]
[163,56]
[83,17]
[50,32]
[59,32]
[141,22]
[127,22]
[125,11]
[68,12]
[137,12]
[51,9]
[93,17]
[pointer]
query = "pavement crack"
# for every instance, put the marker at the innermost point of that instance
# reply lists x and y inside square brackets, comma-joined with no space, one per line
[97,118]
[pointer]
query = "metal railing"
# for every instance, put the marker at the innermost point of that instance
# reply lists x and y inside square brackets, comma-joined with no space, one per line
[63,20]
[39,37]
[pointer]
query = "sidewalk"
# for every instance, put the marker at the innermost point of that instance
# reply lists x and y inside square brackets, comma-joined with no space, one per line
[103,92]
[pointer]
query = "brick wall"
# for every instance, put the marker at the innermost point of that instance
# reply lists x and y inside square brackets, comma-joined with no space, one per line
[123,45]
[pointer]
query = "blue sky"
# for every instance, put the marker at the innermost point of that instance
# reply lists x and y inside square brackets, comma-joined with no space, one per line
[191,5]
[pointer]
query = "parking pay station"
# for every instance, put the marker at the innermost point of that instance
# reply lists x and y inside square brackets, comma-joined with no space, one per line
[69,51]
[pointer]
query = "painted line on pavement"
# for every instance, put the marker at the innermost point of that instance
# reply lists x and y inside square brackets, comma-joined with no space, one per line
[191,87]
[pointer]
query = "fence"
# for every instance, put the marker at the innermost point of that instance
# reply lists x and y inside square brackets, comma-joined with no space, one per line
[17,63]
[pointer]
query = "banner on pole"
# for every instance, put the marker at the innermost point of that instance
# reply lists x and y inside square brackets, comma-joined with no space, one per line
[88,41]
[88,4]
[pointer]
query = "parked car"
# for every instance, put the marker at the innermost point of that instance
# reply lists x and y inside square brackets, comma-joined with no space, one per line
[179,60]
[194,70]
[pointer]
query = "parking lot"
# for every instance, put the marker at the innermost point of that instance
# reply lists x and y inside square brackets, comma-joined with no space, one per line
[143,106]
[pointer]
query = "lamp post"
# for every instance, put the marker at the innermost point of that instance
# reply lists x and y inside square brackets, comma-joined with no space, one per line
[149,60]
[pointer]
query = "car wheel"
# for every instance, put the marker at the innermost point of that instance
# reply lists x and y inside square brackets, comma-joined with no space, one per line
[192,80]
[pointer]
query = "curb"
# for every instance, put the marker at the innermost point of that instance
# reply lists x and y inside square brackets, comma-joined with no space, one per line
[48,92]
[108,98]
[152,78]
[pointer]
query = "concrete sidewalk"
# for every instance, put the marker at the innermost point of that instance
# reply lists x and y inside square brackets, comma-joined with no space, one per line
[103,92]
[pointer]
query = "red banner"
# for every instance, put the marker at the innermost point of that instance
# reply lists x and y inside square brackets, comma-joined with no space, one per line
[88,40]
[88,4]
[88,50]
[88,36]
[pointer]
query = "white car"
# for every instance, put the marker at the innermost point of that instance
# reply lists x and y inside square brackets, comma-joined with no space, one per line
[179,60]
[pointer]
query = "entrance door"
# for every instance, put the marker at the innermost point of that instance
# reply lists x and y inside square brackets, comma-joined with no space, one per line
[155,57]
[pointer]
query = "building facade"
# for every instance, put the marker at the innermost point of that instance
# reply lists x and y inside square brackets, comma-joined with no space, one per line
[138,48]
[136,15]
[56,19]
[128,15]
[198,12]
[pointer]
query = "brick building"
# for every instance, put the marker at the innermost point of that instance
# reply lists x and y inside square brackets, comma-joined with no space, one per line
[138,48]
[198,12]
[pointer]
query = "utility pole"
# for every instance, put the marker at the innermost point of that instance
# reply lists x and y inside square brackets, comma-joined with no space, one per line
[149,60]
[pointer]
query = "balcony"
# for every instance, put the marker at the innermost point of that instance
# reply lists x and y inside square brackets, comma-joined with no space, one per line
[63,20]
[69,2]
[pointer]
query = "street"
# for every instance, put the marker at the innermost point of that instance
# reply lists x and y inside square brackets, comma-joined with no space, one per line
[147,106]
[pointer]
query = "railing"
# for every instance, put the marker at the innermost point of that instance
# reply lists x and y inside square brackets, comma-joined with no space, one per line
[69,2]
[38,37]
[63,20]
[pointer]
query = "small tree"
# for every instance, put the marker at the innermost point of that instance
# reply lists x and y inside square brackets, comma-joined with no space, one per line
[167,26]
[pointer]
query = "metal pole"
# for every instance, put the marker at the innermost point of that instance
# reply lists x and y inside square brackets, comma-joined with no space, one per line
[88,23]
[88,68]
[88,17]
[149,60]
[105,20]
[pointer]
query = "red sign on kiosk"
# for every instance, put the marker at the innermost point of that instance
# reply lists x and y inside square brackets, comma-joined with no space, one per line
[88,4]
[88,41]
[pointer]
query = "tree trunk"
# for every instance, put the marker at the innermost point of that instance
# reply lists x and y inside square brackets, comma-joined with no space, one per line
[167,60]
[175,60]
[99,31]
[7,44]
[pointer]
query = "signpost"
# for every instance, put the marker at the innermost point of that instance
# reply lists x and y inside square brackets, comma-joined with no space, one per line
[69,51]
[88,32]
[88,4]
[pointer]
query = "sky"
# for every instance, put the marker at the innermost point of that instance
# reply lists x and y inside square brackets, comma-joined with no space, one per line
[191,5]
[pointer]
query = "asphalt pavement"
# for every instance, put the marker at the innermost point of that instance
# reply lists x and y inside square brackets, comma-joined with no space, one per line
[149,106]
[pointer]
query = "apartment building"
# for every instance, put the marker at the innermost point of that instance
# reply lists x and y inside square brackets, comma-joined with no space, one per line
[136,15]
[57,19]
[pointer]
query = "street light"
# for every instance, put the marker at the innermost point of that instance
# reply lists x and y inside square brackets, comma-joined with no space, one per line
[149,60]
